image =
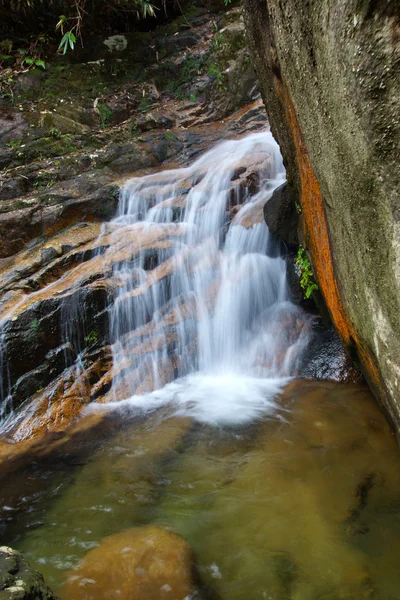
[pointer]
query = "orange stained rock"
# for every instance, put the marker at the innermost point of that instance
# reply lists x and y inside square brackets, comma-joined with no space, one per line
[316,233]
[143,563]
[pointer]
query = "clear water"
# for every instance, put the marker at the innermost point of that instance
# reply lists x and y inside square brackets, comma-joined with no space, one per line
[301,505]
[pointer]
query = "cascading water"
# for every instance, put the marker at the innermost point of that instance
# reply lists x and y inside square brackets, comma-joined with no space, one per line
[200,315]
[209,306]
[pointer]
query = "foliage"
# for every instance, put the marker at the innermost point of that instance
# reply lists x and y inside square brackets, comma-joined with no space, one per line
[68,39]
[55,133]
[34,62]
[220,42]
[35,326]
[14,143]
[307,282]
[92,338]
[215,71]
[29,17]
[105,113]
[299,210]
[170,137]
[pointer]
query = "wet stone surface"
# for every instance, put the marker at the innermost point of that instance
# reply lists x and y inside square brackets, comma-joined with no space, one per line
[18,581]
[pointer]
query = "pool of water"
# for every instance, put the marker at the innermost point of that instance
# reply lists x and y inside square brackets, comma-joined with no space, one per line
[301,504]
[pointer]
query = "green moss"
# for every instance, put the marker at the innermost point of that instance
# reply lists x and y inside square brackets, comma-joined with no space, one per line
[92,338]
[170,137]
[14,143]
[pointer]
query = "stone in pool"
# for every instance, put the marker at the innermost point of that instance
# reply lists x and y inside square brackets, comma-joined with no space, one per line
[143,563]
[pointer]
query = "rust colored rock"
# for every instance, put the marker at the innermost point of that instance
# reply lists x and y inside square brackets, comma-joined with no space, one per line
[333,103]
[144,563]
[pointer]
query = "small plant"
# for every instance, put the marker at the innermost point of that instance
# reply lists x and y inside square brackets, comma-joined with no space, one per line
[55,133]
[105,113]
[35,326]
[192,98]
[307,282]
[219,42]
[170,137]
[68,39]
[92,338]
[134,129]
[215,72]
[299,210]
[40,389]
[14,143]
[34,62]
[144,104]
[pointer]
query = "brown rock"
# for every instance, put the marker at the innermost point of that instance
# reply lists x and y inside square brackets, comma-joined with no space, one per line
[143,563]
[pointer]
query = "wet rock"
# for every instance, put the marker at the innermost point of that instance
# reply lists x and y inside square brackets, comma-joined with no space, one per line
[18,581]
[50,120]
[40,330]
[167,148]
[293,275]
[281,215]
[155,120]
[145,563]
[84,197]
[13,187]
[326,358]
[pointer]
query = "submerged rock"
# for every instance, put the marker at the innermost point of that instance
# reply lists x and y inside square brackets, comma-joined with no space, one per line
[18,581]
[144,563]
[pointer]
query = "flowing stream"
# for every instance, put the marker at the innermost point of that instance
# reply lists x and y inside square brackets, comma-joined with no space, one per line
[286,489]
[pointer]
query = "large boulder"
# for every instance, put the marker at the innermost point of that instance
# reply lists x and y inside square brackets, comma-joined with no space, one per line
[329,78]
[143,563]
[18,581]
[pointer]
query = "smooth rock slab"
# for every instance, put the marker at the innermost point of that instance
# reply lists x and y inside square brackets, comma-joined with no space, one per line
[18,581]
[143,563]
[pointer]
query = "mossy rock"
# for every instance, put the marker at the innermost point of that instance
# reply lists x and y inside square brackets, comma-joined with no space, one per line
[18,581]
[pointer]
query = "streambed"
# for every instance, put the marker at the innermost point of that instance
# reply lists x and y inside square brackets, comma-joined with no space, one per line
[300,503]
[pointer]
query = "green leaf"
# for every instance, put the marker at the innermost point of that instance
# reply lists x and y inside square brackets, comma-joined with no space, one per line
[40,63]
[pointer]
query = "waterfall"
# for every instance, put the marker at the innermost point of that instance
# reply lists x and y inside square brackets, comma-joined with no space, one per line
[198,309]
[201,316]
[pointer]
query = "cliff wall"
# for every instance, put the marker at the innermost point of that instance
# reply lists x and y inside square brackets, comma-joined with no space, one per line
[329,76]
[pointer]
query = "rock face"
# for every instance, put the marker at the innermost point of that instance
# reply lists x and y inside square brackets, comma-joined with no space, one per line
[81,128]
[18,581]
[281,215]
[145,563]
[329,78]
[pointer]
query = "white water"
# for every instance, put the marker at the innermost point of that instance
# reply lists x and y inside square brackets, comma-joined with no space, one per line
[241,339]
